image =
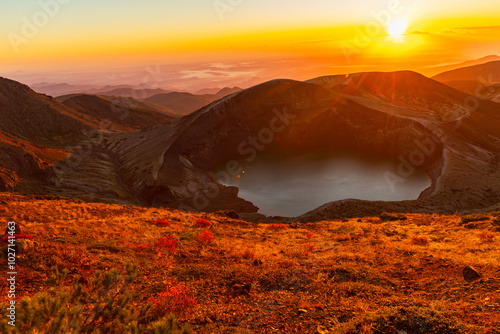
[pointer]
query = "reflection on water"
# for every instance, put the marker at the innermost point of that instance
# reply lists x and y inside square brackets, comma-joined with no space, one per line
[292,184]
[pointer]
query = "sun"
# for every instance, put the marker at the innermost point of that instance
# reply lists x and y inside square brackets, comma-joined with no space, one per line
[397,29]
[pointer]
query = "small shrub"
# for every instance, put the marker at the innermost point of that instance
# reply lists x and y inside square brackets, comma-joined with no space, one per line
[5,238]
[201,222]
[167,243]
[176,299]
[486,237]
[141,247]
[389,217]
[407,320]
[277,226]
[163,223]
[106,306]
[206,237]
[420,241]
[248,254]
[309,247]
[342,229]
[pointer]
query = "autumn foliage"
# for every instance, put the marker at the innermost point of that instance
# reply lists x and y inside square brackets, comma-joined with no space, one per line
[5,238]
[161,222]
[168,243]
[359,275]
[487,237]
[176,299]
[277,226]
[202,222]
[420,241]
[206,237]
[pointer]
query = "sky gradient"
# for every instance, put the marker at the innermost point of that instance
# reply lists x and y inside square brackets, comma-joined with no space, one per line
[50,35]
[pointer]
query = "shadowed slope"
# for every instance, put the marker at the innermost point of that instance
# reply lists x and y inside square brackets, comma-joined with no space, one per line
[121,113]
[35,131]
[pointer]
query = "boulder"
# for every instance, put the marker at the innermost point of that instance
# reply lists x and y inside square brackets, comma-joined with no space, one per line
[471,274]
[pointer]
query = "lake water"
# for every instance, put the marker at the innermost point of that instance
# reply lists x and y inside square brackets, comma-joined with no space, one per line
[294,183]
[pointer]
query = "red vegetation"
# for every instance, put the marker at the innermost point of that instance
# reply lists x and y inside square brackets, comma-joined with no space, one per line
[309,247]
[421,241]
[206,236]
[277,226]
[5,238]
[486,237]
[167,242]
[201,222]
[142,247]
[161,222]
[176,299]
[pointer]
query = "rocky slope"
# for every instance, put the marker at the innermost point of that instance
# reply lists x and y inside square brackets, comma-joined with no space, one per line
[491,92]
[34,132]
[37,117]
[37,130]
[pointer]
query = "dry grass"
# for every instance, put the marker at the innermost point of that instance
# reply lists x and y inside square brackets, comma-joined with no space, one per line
[356,276]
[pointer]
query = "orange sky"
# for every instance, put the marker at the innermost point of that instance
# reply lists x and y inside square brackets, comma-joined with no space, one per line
[49,35]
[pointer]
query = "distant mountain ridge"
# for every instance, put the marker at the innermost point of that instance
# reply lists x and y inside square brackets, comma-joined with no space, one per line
[184,103]
[482,80]
[488,71]
[433,71]
[59,89]
[179,103]
[123,113]
[133,92]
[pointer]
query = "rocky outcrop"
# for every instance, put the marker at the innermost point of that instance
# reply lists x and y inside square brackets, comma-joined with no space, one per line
[8,179]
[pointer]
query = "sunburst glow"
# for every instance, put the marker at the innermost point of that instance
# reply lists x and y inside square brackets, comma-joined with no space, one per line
[397,27]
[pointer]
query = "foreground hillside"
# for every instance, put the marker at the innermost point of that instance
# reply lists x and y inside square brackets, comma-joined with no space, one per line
[352,276]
